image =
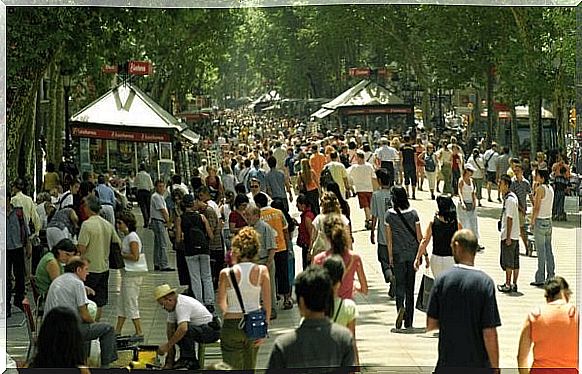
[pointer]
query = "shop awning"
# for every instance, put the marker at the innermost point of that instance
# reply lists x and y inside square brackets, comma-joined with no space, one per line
[126,106]
[191,136]
[322,113]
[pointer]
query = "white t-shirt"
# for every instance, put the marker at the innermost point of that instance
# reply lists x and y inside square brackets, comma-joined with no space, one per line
[490,158]
[361,177]
[189,309]
[131,237]
[511,210]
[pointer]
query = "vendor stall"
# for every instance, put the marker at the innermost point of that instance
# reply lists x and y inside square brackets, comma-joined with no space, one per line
[370,105]
[124,128]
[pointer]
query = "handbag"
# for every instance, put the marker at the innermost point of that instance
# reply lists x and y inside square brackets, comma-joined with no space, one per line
[139,266]
[254,324]
[424,293]
[115,257]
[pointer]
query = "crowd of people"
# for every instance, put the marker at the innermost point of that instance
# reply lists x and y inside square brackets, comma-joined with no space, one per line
[234,237]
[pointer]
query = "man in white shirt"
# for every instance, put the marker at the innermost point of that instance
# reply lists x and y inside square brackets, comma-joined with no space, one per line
[385,156]
[160,219]
[490,160]
[188,323]
[144,185]
[509,228]
[203,171]
[362,176]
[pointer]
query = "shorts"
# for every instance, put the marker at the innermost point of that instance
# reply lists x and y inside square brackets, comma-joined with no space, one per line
[492,176]
[99,282]
[410,176]
[364,199]
[510,255]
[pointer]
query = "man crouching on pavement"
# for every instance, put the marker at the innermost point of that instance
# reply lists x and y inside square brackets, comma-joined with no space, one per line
[188,322]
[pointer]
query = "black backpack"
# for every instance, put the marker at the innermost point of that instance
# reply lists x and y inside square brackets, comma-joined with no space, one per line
[429,164]
[195,237]
[326,177]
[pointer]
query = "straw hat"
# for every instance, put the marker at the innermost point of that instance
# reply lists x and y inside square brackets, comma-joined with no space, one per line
[163,290]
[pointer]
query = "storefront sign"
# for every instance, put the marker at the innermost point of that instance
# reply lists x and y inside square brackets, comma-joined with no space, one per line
[359,72]
[110,69]
[387,110]
[119,135]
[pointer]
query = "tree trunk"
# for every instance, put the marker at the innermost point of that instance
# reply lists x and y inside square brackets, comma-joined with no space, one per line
[477,111]
[38,129]
[535,107]
[490,103]
[426,109]
[51,127]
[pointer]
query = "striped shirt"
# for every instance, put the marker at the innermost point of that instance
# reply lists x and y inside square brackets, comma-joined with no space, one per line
[521,189]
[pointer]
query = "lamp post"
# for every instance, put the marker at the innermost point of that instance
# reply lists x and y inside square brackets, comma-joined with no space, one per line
[67,86]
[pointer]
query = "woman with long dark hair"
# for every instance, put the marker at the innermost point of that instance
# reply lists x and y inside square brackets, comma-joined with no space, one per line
[441,229]
[307,185]
[403,234]
[59,343]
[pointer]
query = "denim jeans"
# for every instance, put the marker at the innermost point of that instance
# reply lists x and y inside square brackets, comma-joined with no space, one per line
[201,278]
[106,335]
[543,238]
[405,277]
[160,243]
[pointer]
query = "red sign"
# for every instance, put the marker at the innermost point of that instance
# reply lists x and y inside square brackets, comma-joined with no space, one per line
[109,69]
[360,72]
[119,135]
[139,67]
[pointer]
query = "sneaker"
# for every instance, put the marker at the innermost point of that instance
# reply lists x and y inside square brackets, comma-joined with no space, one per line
[432,196]
[168,269]
[537,284]
[186,363]
[514,288]
[503,288]
[413,197]
[489,199]
[400,318]
[288,304]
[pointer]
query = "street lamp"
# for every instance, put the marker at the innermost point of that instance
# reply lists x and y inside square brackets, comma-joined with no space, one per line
[67,86]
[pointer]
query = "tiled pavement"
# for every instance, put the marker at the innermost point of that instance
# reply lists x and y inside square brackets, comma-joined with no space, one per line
[379,346]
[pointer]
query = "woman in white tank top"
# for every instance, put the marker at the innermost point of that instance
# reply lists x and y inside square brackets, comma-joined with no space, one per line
[541,221]
[253,281]
[467,201]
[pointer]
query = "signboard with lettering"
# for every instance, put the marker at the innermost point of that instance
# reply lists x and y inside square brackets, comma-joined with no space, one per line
[110,69]
[139,67]
[360,72]
[81,132]
[385,110]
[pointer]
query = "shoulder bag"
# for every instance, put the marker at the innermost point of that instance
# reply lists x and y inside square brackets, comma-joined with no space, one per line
[254,324]
[115,257]
[407,225]
[139,266]
[338,310]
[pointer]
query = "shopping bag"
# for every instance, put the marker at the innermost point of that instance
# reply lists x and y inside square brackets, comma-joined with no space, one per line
[424,293]
[571,204]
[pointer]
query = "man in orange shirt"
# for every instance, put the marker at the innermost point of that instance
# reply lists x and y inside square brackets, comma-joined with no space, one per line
[317,161]
[276,219]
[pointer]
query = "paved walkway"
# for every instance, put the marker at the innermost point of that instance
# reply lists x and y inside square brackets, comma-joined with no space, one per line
[380,347]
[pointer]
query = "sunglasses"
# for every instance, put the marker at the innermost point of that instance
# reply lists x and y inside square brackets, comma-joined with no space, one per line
[255,186]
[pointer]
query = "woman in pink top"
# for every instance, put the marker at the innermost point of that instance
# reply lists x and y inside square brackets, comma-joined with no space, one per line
[552,330]
[336,234]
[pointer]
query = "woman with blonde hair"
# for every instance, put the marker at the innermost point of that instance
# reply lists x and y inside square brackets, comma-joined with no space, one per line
[541,159]
[307,184]
[329,206]
[254,283]
[335,233]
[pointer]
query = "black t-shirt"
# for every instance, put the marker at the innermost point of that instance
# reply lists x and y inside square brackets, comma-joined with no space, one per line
[463,301]
[442,233]
[408,155]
